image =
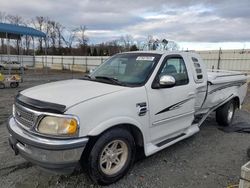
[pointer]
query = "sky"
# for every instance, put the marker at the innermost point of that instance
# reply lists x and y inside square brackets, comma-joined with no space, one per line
[193,24]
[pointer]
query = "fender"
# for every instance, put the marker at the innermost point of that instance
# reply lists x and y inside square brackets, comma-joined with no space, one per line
[117,121]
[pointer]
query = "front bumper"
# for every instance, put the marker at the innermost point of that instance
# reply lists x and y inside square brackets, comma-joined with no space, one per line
[60,155]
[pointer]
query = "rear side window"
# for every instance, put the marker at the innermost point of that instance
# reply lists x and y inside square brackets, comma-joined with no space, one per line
[198,70]
[175,67]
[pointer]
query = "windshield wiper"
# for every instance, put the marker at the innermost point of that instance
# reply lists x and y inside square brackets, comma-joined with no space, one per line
[113,80]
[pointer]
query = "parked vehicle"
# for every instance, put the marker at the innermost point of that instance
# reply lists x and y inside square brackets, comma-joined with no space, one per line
[9,81]
[134,100]
[14,65]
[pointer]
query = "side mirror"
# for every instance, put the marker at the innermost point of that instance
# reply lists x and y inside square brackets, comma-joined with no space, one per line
[167,81]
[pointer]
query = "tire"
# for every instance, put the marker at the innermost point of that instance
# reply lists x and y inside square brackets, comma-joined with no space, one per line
[14,84]
[2,85]
[248,152]
[225,113]
[22,69]
[107,171]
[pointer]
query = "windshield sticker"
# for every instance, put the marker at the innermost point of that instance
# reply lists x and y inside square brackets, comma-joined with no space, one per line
[145,58]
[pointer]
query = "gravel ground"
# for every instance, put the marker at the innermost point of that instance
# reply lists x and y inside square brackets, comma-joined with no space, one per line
[209,159]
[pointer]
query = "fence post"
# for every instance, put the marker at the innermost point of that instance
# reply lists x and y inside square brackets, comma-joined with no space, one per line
[62,61]
[52,59]
[72,66]
[101,59]
[219,59]
[86,63]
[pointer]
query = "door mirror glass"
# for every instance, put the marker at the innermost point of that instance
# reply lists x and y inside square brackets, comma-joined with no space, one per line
[167,81]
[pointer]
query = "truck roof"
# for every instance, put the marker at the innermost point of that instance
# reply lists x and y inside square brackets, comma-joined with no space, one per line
[162,52]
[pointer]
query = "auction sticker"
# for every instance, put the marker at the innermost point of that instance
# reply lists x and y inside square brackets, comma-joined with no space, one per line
[145,58]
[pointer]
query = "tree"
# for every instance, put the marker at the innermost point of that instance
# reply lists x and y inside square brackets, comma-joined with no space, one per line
[82,38]
[40,23]
[157,44]
[133,48]
[172,45]
[101,51]
[95,52]
[52,34]
[16,20]
[2,20]
[126,41]
[27,41]
[89,51]
[69,38]
[59,32]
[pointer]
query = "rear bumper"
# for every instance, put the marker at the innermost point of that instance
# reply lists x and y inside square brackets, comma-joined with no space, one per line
[52,154]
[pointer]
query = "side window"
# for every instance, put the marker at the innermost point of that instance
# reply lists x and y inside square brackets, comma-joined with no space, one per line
[175,67]
[198,70]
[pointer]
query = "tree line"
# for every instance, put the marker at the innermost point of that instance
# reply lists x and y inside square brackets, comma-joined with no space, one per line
[61,40]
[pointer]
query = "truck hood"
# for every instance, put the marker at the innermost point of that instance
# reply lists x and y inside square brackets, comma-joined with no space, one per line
[70,92]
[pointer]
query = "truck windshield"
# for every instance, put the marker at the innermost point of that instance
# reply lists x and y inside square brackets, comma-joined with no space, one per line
[131,69]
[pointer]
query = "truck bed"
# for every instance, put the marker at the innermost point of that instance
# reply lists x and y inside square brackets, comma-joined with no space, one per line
[223,85]
[222,76]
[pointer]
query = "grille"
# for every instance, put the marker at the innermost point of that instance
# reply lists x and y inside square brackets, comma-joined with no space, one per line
[25,117]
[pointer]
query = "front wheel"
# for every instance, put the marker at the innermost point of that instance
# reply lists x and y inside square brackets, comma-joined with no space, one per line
[111,156]
[225,113]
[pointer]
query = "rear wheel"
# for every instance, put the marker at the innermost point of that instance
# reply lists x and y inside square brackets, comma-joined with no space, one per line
[225,113]
[14,84]
[111,156]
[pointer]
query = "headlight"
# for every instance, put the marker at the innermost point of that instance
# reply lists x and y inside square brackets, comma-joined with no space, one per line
[58,125]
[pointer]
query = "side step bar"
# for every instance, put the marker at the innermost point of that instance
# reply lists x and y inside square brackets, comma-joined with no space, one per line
[169,140]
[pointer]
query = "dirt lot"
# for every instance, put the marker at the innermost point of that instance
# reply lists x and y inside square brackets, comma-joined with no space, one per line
[210,159]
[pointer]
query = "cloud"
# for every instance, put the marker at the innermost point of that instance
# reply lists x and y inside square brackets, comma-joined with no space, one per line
[180,20]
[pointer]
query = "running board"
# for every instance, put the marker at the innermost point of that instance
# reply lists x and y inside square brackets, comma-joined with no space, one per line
[152,148]
[169,140]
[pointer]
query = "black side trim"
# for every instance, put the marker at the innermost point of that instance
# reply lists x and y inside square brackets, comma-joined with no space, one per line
[228,85]
[169,140]
[39,105]
[174,106]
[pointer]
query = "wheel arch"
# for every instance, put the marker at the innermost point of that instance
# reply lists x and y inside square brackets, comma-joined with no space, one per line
[135,131]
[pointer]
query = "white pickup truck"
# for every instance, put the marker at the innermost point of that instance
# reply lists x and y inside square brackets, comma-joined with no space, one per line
[134,101]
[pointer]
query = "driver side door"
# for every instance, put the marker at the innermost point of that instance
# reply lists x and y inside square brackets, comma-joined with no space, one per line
[171,109]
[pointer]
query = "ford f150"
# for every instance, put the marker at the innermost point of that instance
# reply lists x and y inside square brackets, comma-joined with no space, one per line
[134,101]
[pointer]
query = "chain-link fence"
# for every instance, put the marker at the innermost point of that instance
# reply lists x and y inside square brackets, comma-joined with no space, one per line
[238,60]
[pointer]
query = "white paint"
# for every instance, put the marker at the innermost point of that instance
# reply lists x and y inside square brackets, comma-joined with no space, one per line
[101,106]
